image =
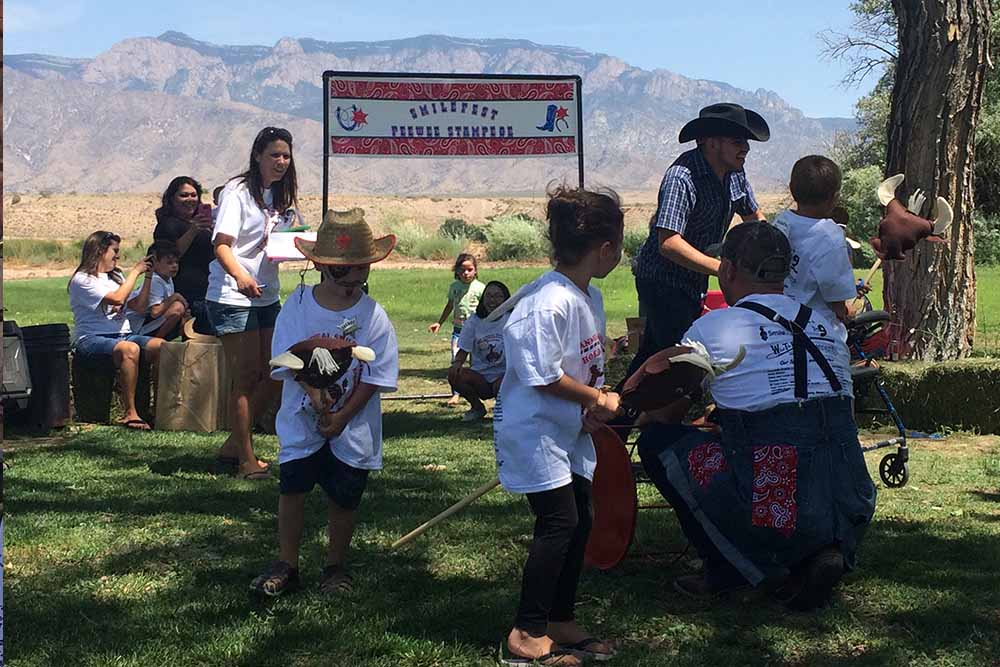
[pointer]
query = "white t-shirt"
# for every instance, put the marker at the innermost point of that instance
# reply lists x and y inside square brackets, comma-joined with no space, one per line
[765,377]
[556,330]
[360,443]
[821,270]
[240,217]
[484,342]
[90,316]
[161,289]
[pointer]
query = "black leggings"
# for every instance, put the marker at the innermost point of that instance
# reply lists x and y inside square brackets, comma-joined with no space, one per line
[563,518]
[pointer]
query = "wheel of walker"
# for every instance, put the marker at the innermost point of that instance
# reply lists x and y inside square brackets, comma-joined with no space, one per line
[894,472]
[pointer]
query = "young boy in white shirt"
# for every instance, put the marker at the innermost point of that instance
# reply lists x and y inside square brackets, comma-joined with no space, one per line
[330,436]
[165,308]
[821,275]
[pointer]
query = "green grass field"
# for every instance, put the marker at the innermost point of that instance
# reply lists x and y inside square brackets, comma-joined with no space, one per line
[124,549]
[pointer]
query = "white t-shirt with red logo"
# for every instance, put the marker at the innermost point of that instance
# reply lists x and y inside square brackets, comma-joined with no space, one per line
[360,443]
[555,330]
[241,218]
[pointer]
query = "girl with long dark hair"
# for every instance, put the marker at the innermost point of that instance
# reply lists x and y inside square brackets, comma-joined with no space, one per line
[242,297]
[185,220]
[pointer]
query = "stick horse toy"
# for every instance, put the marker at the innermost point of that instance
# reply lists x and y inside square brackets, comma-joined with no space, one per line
[322,362]
[902,228]
[665,383]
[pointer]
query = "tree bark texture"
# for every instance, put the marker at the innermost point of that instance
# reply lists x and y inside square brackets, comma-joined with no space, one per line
[940,73]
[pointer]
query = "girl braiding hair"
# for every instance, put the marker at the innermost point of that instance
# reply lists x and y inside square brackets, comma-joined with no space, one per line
[93,249]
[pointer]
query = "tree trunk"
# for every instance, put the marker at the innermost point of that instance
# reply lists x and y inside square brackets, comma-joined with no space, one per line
[940,73]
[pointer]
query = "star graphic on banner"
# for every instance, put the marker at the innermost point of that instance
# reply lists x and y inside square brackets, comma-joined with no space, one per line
[343,241]
[360,117]
[561,113]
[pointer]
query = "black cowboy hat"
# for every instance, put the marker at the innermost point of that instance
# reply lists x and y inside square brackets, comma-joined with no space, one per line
[726,119]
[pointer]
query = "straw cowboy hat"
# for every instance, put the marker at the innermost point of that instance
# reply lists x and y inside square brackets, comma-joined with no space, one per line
[345,239]
[726,119]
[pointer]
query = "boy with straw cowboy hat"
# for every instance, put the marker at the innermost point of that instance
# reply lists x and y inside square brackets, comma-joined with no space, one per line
[335,350]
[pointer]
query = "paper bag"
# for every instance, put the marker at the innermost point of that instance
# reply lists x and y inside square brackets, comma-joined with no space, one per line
[193,388]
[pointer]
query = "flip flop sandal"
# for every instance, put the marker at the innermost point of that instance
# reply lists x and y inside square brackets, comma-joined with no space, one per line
[136,425]
[254,475]
[560,657]
[335,580]
[581,648]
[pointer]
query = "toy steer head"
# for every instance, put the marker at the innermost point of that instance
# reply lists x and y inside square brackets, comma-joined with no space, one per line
[902,227]
[671,375]
[321,362]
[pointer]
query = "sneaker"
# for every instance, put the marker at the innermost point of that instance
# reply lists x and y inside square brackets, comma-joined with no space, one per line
[278,578]
[821,574]
[474,415]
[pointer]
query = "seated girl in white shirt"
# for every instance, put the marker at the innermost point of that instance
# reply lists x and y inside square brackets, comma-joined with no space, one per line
[482,342]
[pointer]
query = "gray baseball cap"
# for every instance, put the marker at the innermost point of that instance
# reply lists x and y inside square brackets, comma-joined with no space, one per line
[758,248]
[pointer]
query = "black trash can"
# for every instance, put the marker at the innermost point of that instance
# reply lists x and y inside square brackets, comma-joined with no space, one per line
[47,346]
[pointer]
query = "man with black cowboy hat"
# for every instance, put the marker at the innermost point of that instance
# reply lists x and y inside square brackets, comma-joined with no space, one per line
[783,492]
[698,196]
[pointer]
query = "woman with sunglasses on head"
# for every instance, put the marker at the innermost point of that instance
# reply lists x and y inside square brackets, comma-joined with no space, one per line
[98,295]
[242,298]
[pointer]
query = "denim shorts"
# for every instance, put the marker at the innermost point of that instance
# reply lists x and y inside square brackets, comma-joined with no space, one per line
[343,484]
[96,346]
[229,319]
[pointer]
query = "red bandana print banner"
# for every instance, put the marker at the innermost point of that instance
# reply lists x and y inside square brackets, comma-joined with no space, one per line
[452,116]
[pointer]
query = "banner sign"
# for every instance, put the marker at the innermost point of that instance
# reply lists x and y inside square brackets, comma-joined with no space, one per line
[452,115]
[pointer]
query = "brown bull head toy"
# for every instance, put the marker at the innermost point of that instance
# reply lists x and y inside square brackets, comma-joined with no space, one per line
[321,362]
[670,376]
[902,227]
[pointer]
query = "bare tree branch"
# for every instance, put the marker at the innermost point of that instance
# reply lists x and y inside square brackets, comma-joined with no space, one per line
[870,45]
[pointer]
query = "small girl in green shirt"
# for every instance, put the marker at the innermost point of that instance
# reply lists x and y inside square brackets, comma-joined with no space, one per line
[463,297]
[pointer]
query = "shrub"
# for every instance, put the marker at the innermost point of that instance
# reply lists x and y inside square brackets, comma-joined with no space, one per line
[634,238]
[408,234]
[438,247]
[986,233]
[456,228]
[516,237]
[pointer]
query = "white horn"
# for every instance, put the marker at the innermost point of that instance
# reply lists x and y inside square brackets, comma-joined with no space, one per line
[887,191]
[362,353]
[944,216]
[287,360]
[736,360]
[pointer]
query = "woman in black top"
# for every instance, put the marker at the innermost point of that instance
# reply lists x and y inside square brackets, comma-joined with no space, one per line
[187,222]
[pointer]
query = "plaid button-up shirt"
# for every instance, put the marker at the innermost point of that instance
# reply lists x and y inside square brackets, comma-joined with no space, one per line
[696,205]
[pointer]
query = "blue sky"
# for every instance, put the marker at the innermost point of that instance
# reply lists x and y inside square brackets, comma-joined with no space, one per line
[768,44]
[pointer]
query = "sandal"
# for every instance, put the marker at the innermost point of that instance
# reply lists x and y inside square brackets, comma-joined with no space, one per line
[136,425]
[335,580]
[581,648]
[278,578]
[559,657]
[254,475]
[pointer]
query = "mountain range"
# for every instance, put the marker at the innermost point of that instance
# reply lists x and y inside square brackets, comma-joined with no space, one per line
[150,108]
